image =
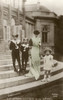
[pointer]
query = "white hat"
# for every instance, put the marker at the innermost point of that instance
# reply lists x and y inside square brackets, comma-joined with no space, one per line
[47,49]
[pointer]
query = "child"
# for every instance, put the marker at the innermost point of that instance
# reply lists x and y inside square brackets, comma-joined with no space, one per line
[48,63]
[25,53]
[14,46]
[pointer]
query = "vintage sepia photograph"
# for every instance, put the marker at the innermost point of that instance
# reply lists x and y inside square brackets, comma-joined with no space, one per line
[31,49]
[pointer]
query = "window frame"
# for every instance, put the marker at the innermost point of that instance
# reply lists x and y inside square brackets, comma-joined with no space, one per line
[45,30]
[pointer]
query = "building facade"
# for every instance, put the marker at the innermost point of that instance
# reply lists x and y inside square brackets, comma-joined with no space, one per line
[45,22]
[36,17]
[11,22]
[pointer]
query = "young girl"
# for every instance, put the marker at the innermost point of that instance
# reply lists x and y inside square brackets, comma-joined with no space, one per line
[48,63]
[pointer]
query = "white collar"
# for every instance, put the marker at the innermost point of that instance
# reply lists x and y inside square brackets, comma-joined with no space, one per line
[16,41]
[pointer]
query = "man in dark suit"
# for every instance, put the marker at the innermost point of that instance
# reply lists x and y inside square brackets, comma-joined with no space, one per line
[14,47]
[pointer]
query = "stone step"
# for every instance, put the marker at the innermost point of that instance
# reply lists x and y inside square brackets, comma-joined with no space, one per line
[13,91]
[19,80]
[8,74]
[3,57]
[5,62]
[11,73]
[6,52]
[6,67]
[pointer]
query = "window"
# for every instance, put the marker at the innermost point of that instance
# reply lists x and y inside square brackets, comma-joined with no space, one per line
[44,37]
[45,31]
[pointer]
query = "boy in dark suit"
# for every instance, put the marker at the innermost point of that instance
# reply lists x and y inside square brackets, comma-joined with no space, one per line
[14,46]
[25,53]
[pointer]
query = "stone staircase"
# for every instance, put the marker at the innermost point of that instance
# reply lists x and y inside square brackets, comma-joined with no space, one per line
[5,59]
[12,83]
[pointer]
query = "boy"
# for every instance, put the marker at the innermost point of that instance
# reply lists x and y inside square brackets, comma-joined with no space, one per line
[25,53]
[14,46]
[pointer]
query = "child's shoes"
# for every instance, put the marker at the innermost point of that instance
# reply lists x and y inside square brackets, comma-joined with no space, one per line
[48,79]
[43,80]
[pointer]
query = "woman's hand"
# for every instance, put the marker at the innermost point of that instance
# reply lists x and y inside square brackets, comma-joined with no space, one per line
[39,43]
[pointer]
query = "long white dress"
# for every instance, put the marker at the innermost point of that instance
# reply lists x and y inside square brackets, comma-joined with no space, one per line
[35,58]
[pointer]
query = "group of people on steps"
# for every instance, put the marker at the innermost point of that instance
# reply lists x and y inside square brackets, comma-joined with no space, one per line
[31,49]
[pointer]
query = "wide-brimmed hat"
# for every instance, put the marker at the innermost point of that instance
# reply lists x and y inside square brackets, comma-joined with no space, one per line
[36,32]
[47,49]
[14,35]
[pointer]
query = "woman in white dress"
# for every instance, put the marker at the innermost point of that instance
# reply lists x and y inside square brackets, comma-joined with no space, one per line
[35,43]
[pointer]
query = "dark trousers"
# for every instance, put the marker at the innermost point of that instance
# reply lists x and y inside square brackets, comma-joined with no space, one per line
[24,61]
[16,56]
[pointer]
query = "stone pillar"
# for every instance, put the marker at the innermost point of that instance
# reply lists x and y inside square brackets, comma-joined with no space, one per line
[51,34]
[27,30]
[38,25]
[1,28]
[1,20]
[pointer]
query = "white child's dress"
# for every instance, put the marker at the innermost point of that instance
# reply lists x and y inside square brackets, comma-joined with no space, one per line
[48,62]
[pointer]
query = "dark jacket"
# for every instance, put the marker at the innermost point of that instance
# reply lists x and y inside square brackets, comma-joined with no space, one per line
[25,51]
[15,48]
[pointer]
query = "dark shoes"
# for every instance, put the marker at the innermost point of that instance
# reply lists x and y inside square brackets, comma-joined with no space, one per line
[21,70]
[15,70]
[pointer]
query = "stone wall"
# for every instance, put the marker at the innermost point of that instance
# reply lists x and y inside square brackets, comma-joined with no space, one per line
[59,39]
[39,25]
[9,19]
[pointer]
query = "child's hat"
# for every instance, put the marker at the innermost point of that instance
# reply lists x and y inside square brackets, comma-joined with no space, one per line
[47,49]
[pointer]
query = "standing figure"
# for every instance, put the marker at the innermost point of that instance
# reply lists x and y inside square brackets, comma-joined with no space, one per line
[14,47]
[35,44]
[48,63]
[25,53]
